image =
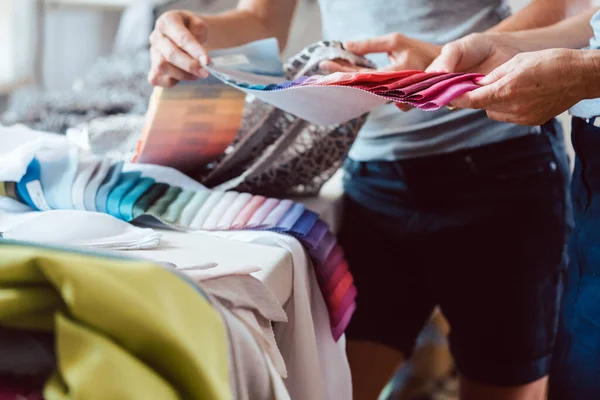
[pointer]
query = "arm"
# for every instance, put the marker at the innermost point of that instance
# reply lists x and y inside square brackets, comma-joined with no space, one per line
[482,52]
[181,39]
[536,14]
[534,87]
[251,20]
[408,53]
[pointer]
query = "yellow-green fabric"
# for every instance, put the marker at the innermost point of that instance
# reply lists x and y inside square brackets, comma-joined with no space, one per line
[124,329]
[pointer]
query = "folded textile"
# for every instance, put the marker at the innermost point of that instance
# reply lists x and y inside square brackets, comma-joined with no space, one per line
[339,97]
[123,328]
[253,304]
[86,229]
[132,196]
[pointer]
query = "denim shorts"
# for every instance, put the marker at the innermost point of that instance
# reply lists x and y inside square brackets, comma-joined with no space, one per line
[479,232]
[575,373]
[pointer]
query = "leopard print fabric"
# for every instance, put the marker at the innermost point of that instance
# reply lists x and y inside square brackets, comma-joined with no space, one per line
[278,154]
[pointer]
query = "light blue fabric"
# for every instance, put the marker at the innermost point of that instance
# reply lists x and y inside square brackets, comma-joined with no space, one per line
[590,108]
[128,202]
[263,57]
[57,175]
[107,185]
[388,133]
[32,174]
[126,182]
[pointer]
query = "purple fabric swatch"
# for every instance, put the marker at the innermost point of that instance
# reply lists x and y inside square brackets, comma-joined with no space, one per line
[305,224]
[288,220]
[278,212]
[316,234]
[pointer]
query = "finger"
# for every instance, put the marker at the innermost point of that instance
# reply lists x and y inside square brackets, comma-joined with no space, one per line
[494,97]
[394,67]
[177,73]
[404,107]
[497,74]
[448,59]
[332,66]
[177,57]
[174,27]
[161,80]
[379,44]
[508,117]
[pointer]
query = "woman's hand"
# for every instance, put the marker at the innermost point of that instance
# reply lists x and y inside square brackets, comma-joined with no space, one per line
[176,49]
[531,88]
[403,52]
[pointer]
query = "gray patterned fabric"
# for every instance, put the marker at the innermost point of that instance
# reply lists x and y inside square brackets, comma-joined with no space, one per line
[278,154]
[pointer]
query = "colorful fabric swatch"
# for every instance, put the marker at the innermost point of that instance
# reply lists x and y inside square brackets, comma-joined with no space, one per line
[129,195]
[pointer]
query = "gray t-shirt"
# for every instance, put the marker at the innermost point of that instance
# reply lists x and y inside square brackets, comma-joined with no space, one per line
[388,133]
[590,108]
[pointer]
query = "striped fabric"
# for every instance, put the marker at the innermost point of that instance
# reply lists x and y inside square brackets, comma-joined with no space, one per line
[133,196]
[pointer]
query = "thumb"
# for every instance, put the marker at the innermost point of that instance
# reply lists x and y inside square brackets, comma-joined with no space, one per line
[379,44]
[448,59]
[494,76]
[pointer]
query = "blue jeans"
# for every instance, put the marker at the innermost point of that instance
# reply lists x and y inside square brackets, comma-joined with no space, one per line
[481,233]
[575,373]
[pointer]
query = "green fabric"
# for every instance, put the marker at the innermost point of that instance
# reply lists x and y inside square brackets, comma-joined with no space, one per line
[160,205]
[190,211]
[125,329]
[176,208]
[148,199]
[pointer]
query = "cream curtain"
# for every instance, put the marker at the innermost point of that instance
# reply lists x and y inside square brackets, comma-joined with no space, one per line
[18,41]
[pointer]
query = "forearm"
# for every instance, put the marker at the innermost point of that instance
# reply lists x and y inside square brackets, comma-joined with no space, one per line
[251,20]
[590,71]
[572,33]
[537,14]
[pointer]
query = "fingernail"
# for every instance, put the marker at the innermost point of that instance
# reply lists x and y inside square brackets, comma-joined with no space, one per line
[204,73]
[204,59]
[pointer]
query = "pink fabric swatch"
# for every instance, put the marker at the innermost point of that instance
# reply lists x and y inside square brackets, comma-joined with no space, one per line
[337,276]
[442,86]
[347,300]
[243,218]
[263,211]
[340,327]
[401,83]
[445,97]
[233,211]
[419,86]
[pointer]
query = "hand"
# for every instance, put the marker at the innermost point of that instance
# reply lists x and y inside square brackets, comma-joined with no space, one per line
[478,52]
[403,52]
[176,49]
[531,88]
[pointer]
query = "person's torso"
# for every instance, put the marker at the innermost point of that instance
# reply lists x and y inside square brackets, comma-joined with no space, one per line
[590,108]
[388,133]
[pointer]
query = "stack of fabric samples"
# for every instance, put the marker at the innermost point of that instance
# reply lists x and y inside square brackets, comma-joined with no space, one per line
[424,90]
[69,178]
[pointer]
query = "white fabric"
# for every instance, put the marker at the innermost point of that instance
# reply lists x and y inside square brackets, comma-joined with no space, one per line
[88,229]
[252,302]
[317,365]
